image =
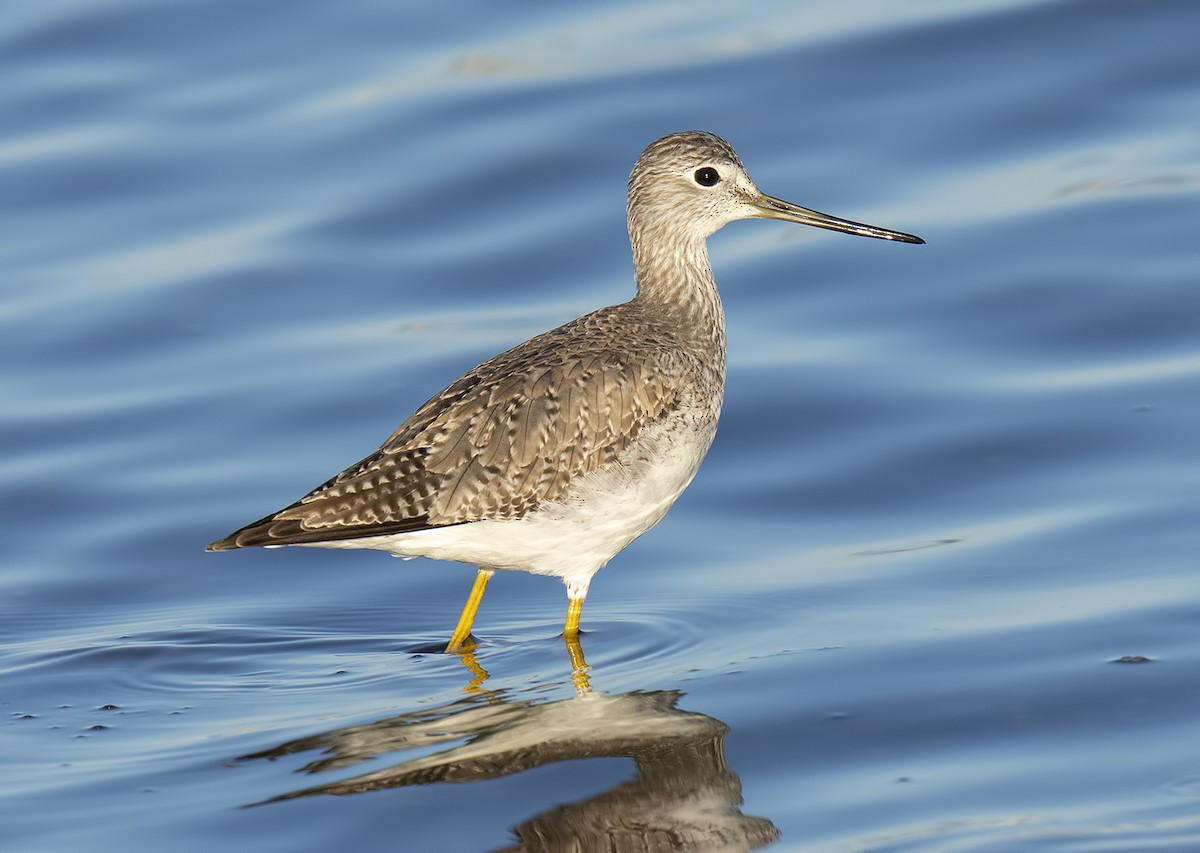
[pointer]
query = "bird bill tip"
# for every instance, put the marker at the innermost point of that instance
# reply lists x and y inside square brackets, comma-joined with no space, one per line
[769,207]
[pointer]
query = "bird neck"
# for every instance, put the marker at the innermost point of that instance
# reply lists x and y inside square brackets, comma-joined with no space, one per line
[675,280]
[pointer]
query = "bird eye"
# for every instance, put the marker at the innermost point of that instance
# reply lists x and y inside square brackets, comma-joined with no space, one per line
[707,176]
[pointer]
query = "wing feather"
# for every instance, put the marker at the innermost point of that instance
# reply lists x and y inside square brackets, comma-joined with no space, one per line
[501,440]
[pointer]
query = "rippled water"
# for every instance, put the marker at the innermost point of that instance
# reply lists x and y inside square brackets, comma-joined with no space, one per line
[934,588]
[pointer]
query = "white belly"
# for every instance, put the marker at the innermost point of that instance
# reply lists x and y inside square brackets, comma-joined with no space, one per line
[572,538]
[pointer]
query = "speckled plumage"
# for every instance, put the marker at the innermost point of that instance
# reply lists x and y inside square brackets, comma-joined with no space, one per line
[553,456]
[507,436]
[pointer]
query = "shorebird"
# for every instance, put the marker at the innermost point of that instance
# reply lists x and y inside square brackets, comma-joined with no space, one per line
[553,456]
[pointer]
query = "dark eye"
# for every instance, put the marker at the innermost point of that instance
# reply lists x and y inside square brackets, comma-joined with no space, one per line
[707,176]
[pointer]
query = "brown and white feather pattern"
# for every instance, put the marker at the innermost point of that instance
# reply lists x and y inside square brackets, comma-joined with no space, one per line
[510,435]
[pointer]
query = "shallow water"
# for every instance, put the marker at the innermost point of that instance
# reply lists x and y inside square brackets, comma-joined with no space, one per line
[933,589]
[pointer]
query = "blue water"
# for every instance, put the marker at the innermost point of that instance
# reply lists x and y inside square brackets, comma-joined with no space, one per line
[935,587]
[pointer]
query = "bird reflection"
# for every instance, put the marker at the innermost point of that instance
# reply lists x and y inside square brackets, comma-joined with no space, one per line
[684,795]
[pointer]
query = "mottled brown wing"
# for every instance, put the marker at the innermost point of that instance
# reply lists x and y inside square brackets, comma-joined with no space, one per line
[499,441]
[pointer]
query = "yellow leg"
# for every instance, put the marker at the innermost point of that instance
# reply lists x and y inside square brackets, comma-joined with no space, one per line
[574,607]
[461,637]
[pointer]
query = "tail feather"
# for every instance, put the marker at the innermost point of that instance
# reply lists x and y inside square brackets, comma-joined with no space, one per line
[273,530]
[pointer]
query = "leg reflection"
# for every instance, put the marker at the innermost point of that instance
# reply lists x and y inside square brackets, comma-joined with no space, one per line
[478,674]
[579,667]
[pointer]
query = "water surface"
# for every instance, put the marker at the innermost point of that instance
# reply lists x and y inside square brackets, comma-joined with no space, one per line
[933,589]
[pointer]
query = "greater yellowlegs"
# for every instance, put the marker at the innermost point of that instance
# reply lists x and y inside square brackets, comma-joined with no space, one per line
[553,456]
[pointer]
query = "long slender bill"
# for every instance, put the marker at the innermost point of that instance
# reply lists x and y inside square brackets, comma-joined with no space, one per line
[776,208]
